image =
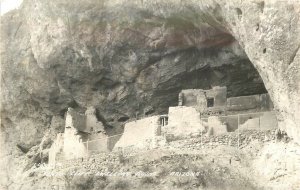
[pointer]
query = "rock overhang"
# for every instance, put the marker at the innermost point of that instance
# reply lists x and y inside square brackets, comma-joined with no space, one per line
[74,35]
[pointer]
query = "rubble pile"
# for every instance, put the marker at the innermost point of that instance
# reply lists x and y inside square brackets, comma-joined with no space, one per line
[234,139]
[117,159]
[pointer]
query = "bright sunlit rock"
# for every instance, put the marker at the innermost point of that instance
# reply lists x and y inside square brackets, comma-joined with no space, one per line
[7,5]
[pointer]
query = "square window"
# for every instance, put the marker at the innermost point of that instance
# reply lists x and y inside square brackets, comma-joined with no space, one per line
[210,102]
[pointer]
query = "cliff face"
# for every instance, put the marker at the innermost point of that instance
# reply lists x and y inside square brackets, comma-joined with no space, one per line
[131,57]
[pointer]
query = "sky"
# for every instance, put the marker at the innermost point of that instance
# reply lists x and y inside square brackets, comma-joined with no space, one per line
[7,5]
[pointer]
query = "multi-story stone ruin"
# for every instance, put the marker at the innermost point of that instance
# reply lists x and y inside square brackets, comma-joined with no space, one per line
[79,128]
[220,114]
[215,102]
[199,112]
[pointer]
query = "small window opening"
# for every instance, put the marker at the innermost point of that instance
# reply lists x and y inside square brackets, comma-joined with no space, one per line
[210,102]
[264,50]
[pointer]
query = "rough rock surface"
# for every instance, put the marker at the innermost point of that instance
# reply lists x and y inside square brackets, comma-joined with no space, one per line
[125,57]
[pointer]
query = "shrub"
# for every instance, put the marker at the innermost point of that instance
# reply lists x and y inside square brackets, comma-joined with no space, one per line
[118,184]
[147,180]
[82,182]
[100,182]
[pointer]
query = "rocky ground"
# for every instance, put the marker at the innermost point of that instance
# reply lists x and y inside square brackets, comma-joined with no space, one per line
[260,163]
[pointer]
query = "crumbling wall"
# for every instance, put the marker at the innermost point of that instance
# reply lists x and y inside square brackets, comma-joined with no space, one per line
[247,121]
[73,139]
[219,94]
[112,141]
[261,121]
[97,145]
[83,135]
[73,144]
[183,121]
[139,133]
[259,102]
[189,97]
[231,121]
[56,148]
[91,123]
[201,102]
[216,126]
[197,97]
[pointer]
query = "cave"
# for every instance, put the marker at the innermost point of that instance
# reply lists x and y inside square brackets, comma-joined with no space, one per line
[188,69]
[123,67]
[139,65]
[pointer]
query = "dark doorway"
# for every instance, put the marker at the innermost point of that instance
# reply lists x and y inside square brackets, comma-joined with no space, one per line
[210,102]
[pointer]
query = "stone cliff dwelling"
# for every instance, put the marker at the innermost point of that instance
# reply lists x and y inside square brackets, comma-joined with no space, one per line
[153,86]
[204,112]
[79,128]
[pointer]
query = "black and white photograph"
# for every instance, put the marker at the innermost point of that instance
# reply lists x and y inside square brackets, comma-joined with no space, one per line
[150,95]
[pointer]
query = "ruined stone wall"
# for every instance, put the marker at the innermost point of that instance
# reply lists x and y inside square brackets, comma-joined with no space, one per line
[219,94]
[97,145]
[101,160]
[56,148]
[197,97]
[231,122]
[259,102]
[73,140]
[112,141]
[83,135]
[137,133]
[249,121]
[91,123]
[183,121]
[73,144]
[216,126]
[260,121]
[190,96]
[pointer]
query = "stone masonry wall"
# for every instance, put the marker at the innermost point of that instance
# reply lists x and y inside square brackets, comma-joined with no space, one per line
[260,102]
[183,121]
[136,133]
[197,97]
